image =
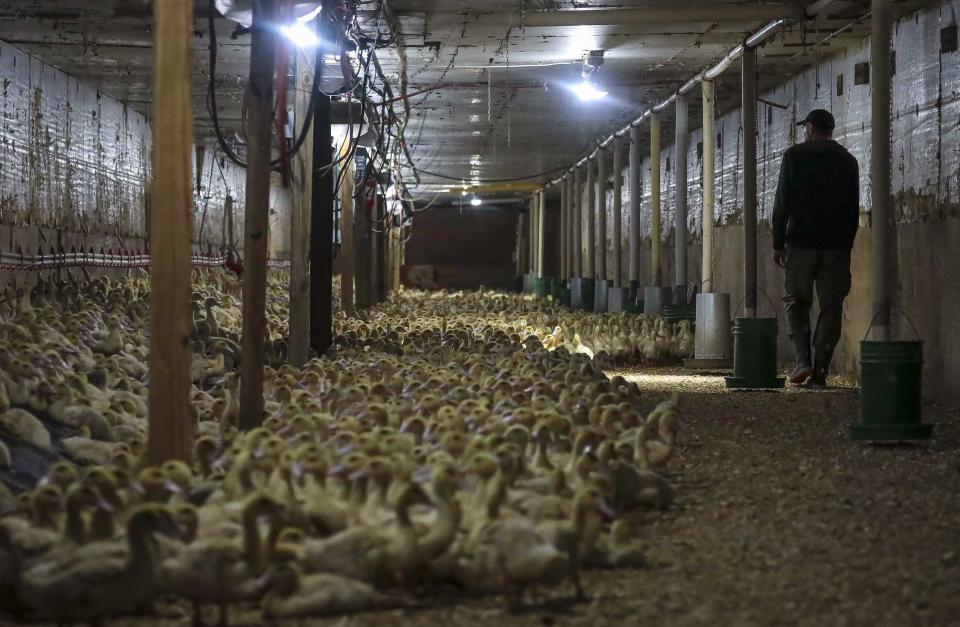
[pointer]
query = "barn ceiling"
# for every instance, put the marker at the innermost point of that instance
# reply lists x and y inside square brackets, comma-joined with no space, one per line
[483,83]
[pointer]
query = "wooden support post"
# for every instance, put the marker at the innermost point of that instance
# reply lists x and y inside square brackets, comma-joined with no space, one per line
[348,265]
[541,228]
[321,213]
[617,215]
[362,246]
[259,107]
[709,153]
[300,225]
[591,236]
[171,421]
[655,230]
[602,214]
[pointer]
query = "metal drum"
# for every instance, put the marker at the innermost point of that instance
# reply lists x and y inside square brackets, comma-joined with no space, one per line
[713,338]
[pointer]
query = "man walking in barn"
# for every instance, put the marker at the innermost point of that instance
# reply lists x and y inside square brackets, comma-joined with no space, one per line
[815,219]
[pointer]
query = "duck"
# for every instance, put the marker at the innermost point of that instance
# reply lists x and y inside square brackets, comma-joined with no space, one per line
[24,425]
[219,570]
[99,586]
[378,555]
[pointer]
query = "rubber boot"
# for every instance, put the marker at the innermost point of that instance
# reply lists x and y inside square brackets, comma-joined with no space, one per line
[803,369]
[821,367]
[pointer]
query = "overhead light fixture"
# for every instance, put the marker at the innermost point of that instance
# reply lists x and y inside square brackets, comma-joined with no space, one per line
[300,35]
[588,90]
[477,133]
[474,101]
[474,118]
[475,202]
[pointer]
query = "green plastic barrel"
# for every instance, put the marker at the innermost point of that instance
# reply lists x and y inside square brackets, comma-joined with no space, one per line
[633,306]
[755,354]
[891,392]
[541,286]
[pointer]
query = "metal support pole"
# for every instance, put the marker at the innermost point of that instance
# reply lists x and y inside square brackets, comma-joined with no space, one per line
[541,231]
[602,214]
[709,148]
[562,274]
[636,200]
[532,235]
[578,224]
[591,253]
[259,108]
[655,230]
[171,423]
[617,217]
[681,142]
[321,217]
[749,108]
[880,165]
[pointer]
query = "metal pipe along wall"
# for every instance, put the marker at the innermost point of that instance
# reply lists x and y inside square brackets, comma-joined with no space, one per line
[749,68]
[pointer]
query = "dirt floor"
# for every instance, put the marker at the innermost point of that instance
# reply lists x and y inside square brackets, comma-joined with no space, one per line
[780,519]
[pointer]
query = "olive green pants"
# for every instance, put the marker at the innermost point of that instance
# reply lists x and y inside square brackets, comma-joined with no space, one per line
[826,272]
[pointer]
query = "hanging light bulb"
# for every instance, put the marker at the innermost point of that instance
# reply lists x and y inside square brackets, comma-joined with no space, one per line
[475,202]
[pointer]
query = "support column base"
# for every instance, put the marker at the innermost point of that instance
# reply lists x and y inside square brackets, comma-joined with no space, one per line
[600,292]
[617,299]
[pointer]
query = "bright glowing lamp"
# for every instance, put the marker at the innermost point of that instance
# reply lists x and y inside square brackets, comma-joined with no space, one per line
[300,35]
[587,91]
[476,202]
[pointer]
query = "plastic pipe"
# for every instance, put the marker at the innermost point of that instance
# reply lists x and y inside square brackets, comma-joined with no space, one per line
[749,112]
[709,148]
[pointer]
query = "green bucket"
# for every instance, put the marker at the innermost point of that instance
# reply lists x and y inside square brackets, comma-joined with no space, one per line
[541,286]
[755,354]
[891,394]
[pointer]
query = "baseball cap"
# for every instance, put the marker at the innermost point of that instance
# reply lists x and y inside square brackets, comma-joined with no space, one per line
[820,118]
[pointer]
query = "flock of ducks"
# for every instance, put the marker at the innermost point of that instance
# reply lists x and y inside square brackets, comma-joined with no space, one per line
[450,440]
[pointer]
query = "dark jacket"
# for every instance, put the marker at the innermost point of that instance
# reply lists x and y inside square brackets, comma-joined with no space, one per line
[818,197]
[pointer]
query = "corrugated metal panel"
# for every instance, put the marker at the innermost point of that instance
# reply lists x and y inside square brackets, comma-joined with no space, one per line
[74,159]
